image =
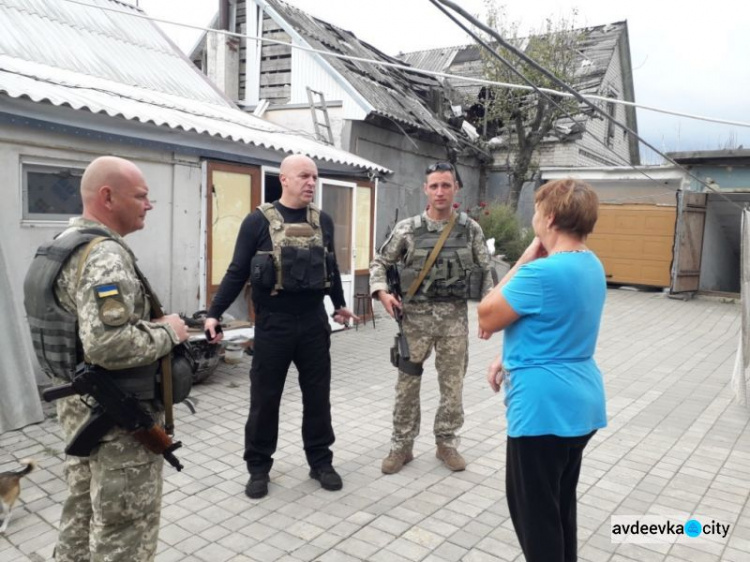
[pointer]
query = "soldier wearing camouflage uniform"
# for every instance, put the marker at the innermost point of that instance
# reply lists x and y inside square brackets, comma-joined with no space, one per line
[113,507]
[436,317]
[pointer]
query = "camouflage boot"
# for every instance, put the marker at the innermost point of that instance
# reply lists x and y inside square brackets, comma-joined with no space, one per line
[395,461]
[451,458]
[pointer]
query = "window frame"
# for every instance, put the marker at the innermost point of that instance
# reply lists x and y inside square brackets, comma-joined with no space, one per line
[41,165]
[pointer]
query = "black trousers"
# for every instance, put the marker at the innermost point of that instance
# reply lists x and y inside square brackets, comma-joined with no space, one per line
[281,339]
[541,477]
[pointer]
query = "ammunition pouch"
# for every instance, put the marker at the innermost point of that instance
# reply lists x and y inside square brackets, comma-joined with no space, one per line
[404,365]
[144,383]
[262,271]
[474,283]
[303,269]
[139,382]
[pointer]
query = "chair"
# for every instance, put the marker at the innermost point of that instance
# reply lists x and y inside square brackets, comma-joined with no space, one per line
[363,307]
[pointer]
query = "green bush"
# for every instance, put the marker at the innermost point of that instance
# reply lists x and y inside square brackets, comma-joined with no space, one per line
[500,222]
[515,248]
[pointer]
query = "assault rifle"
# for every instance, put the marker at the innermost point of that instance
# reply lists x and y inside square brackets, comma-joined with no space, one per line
[113,407]
[400,354]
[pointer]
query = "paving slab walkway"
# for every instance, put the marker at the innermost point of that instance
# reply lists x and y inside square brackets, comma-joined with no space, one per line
[676,445]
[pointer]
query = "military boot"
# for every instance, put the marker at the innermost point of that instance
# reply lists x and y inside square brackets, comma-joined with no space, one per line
[395,461]
[451,458]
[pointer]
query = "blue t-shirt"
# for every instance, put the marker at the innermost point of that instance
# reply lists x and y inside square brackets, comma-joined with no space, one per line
[554,386]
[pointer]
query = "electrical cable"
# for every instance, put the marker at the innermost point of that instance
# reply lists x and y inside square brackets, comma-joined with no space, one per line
[519,74]
[584,99]
[528,60]
[409,68]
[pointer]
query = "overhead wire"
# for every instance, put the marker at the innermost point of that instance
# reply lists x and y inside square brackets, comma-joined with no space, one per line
[539,91]
[577,95]
[408,68]
[568,91]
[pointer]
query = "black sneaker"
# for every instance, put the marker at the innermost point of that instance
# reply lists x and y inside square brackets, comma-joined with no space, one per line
[329,479]
[257,486]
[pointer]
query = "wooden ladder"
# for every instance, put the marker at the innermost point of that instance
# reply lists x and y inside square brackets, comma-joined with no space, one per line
[323,131]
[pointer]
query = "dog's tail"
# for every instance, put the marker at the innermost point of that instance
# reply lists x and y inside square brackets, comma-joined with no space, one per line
[30,465]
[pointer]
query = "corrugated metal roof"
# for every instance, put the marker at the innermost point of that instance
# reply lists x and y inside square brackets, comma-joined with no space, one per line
[106,62]
[392,92]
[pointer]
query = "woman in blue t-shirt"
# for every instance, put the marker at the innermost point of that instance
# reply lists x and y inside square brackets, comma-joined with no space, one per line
[550,307]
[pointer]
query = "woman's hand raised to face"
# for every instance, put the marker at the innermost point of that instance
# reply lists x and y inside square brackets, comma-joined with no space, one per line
[534,251]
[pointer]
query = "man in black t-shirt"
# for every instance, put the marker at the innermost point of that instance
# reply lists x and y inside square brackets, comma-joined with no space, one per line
[286,249]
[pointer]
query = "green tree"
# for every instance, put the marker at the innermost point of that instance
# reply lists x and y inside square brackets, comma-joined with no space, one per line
[524,118]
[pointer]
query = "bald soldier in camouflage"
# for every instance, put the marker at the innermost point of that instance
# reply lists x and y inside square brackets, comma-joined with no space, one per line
[114,501]
[436,316]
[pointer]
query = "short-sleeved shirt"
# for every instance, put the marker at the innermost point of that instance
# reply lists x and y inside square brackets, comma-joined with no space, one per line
[554,386]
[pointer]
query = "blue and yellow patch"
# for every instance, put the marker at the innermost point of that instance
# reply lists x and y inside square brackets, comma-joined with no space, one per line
[104,291]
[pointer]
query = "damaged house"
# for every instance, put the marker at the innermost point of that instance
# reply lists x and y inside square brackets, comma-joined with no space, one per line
[603,69]
[406,120]
[394,117]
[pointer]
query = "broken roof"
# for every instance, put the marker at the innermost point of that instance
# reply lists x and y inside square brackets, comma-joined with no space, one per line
[596,45]
[393,93]
[97,57]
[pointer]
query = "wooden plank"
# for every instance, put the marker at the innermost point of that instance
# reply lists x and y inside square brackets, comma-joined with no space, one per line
[283,93]
[276,65]
[279,35]
[275,79]
[270,24]
[275,50]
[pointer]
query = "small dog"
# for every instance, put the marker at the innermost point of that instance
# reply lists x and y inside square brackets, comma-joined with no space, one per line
[10,488]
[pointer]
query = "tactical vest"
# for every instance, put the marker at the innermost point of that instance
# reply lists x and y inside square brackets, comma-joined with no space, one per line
[454,275]
[299,260]
[54,330]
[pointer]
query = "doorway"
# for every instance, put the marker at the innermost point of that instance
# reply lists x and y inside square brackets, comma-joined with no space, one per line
[708,242]
[234,192]
[338,199]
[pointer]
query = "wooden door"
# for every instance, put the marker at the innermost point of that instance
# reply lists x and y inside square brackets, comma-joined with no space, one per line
[688,243]
[234,192]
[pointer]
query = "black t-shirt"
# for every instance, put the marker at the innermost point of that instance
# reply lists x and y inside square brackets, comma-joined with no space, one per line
[254,237]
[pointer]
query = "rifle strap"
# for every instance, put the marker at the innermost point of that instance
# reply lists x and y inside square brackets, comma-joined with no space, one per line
[432,257]
[85,256]
[167,396]
[156,312]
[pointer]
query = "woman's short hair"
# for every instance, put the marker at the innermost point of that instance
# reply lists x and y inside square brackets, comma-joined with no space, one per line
[573,204]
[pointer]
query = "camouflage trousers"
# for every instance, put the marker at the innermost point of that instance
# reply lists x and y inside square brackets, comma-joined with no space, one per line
[113,506]
[451,359]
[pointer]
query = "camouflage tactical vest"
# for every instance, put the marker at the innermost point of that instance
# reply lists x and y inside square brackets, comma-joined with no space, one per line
[301,261]
[454,275]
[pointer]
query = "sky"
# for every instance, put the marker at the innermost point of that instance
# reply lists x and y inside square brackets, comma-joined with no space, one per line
[686,57]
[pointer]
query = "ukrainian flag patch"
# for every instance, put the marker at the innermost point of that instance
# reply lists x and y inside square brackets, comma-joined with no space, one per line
[104,291]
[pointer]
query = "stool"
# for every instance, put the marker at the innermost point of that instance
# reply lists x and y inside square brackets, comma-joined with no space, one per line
[363,306]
